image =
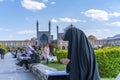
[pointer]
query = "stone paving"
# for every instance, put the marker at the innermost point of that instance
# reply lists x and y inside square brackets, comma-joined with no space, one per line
[8,70]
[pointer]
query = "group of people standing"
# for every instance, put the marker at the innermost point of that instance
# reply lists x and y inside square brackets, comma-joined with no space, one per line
[2,53]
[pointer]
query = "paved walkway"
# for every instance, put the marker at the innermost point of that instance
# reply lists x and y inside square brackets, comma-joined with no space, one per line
[8,70]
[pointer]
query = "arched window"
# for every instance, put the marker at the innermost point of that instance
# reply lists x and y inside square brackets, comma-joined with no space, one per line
[44,39]
[63,47]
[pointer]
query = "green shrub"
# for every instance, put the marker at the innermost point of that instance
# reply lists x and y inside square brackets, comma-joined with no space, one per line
[6,50]
[41,51]
[61,54]
[108,59]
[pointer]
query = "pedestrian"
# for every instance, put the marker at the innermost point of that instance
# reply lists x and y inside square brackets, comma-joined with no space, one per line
[2,52]
[81,61]
[46,53]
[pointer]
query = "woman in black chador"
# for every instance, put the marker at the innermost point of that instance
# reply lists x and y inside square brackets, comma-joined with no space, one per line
[81,58]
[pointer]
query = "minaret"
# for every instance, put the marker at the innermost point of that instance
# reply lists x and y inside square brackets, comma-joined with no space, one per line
[37,29]
[37,25]
[57,32]
[49,24]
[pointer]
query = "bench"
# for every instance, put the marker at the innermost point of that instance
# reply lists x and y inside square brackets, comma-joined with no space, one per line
[46,73]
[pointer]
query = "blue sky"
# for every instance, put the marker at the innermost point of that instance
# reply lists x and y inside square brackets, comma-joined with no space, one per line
[100,18]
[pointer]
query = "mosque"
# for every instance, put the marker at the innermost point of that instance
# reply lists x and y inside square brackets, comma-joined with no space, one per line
[44,37]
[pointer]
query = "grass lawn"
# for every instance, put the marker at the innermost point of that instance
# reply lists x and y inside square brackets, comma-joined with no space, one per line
[58,66]
[107,78]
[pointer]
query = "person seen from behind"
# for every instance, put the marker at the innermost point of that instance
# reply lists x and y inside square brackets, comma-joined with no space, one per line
[81,62]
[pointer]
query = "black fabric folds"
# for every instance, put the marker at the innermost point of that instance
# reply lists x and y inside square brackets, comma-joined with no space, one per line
[83,64]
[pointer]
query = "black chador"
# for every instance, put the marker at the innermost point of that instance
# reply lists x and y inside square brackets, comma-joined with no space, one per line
[82,65]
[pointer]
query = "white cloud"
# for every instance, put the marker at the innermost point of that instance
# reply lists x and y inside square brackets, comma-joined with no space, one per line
[69,20]
[97,14]
[66,19]
[99,33]
[1,0]
[33,5]
[115,14]
[26,32]
[54,20]
[53,2]
[114,24]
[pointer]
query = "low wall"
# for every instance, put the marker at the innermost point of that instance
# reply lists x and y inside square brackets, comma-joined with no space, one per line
[46,73]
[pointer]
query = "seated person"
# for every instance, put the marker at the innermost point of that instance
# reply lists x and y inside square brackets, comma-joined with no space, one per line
[30,57]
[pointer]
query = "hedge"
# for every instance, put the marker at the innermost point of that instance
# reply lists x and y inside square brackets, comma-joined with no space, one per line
[108,59]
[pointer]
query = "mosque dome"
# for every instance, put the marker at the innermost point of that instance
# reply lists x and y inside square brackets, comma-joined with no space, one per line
[91,37]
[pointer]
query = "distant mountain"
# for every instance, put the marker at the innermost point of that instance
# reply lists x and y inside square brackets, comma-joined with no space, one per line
[115,37]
